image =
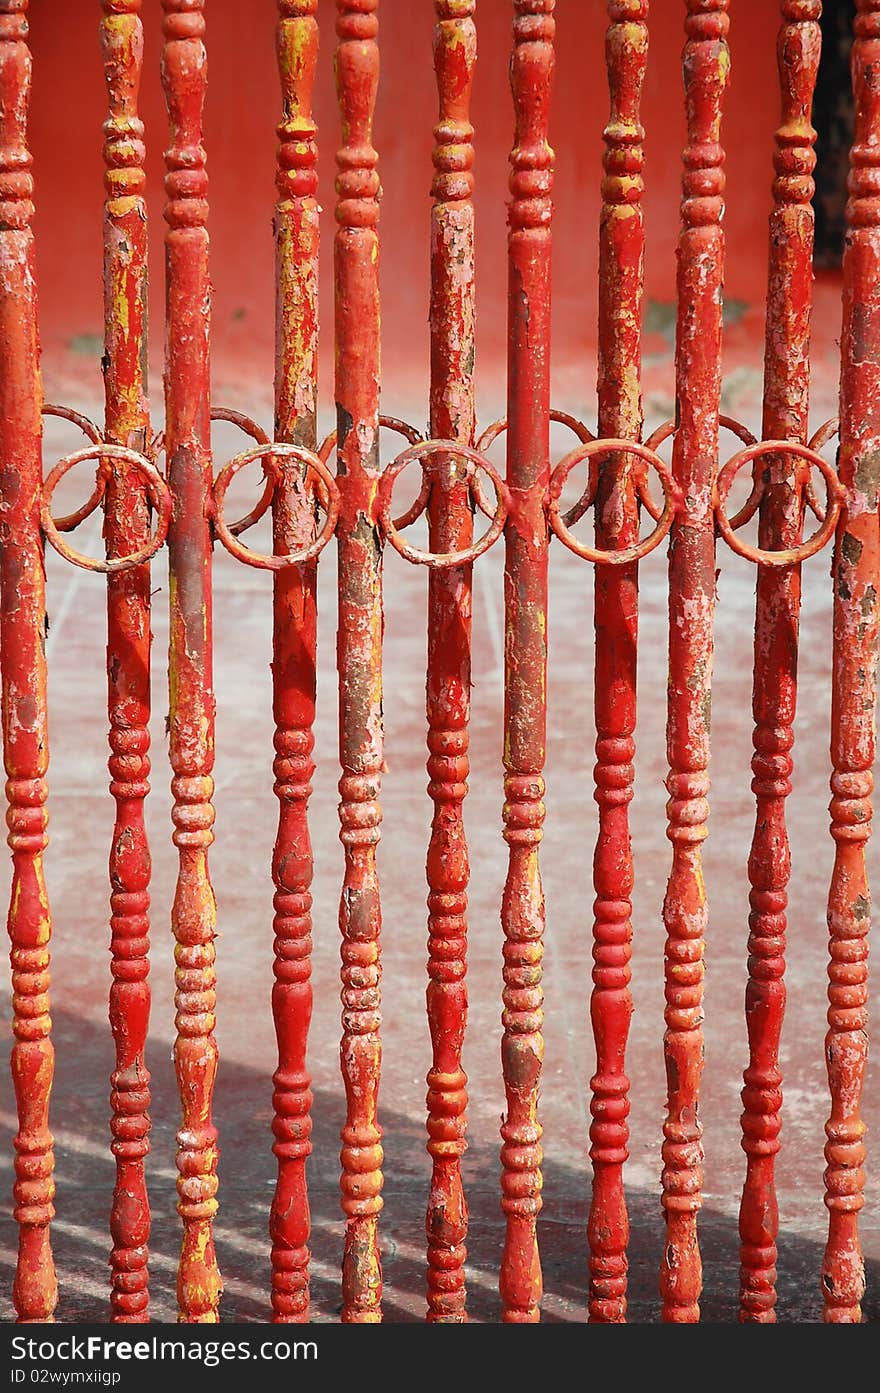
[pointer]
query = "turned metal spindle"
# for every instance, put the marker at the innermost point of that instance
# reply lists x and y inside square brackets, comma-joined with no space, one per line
[126,529]
[450,522]
[854,687]
[191,707]
[621,269]
[23,665]
[294,648]
[359,649]
[691,616]
[777,614]
[525,647]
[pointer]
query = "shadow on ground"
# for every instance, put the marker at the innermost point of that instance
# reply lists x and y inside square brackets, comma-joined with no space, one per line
[85,1177]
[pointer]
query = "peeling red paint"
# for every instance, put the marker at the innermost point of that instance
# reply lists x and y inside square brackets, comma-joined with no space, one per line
[525,649]
[854,689]
[449,654]
[621,271]
[25,736]
[293,656]
[359,649]
[356,506]
[191,704]
[126,530]
[786,408]
[691,610]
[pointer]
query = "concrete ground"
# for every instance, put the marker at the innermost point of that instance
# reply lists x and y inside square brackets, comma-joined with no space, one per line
[81,813]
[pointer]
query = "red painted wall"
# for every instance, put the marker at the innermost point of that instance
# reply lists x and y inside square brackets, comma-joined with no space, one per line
[242,110]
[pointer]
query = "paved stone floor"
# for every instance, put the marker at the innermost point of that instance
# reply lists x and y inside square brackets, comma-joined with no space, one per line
[81,822]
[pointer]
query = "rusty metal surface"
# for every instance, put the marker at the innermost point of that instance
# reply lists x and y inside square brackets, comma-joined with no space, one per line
[359,649]
[191,696]
[525,649]
[127,529]
[621,270]
[452,416]
[310,506]
[854,689]
[294,631]
[691,611]
[23,659]
[781,516]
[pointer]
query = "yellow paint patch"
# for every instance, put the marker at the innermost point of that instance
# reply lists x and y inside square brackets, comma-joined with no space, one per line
[700,884]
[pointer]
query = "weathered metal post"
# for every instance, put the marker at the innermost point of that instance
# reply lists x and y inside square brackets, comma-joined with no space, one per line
[450,521]
[691,616]
[777,614]
[359,648]
[294,647]
[127,529]
[854,686]
[621,268]
[525,648]
[191,706]
[23,662]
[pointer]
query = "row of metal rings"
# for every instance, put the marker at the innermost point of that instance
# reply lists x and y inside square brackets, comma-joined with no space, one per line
[466,465]
[756,450]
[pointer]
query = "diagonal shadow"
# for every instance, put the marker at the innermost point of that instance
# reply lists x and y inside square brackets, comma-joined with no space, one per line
[85,1178]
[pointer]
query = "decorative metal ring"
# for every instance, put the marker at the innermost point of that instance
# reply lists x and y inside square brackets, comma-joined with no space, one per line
[595,449]
[157,489]
[256,432]
[415,437]
[562,418]
[83,423]
[272,453]
[792,555]
[423,452]
[93,433]
[668,428]
[824,435]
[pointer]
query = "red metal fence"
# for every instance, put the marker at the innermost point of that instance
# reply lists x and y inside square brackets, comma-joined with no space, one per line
[310,503]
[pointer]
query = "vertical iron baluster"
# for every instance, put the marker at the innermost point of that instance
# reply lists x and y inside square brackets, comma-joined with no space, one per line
[449,652]
[359,649]
[25,738]
[621,266]
[691,614]
[525,648]
[191,707]
[294,647]
[127,528]
[777,613]
[854,686]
